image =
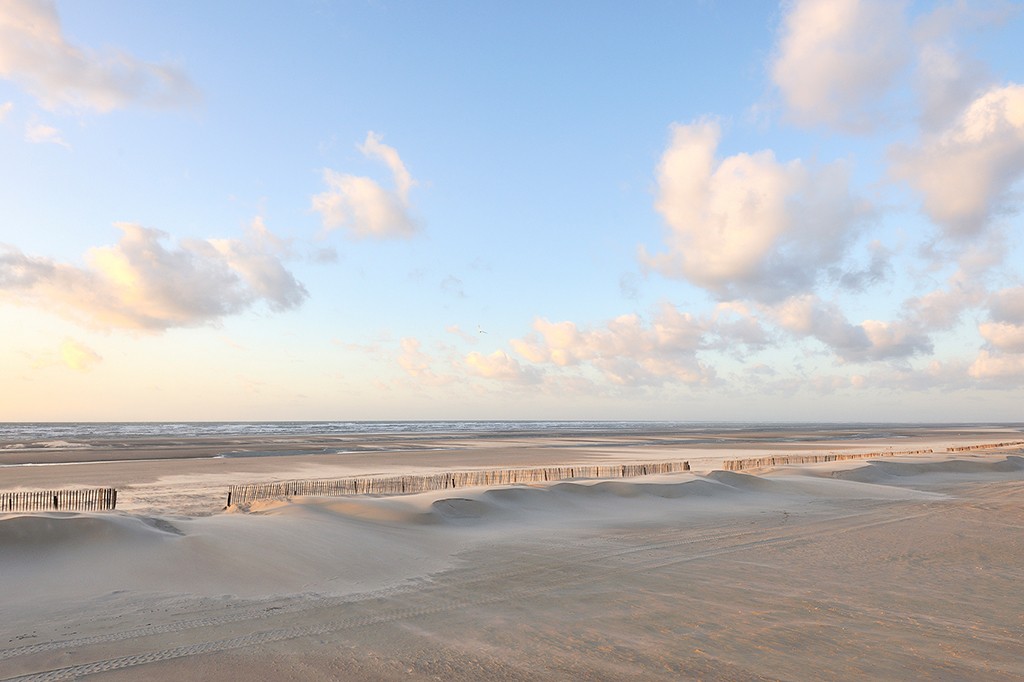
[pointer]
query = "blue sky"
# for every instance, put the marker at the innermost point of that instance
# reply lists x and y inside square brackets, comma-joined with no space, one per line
[378,210]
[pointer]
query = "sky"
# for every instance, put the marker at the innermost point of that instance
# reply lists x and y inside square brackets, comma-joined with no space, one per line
[378,210]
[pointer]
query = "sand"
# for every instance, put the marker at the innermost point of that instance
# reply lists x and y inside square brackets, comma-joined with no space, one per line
[883,568]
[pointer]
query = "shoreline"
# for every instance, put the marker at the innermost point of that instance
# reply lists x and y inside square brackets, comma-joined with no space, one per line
[187,476]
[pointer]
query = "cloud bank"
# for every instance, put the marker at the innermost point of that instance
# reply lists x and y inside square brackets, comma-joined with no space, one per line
[772,240]
[625,351]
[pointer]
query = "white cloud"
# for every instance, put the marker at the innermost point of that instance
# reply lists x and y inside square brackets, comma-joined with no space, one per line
[361,205]
[373,148]
[625,351]
[35,54]
[835,58]
[140,284]
[942,308]
[1003,335]
[964,173]
[256,260]
[946,81]
[500,366]
[734,327]
[1007,305]
[998,368]
[870,340]
[840,62]
[947,77]
[749,226]
[40,133]
[1004,332]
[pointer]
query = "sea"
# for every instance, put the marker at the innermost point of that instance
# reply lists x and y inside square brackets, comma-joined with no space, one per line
[27,434]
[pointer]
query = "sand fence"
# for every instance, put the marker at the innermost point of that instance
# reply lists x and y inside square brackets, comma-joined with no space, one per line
[418,483]
[984,446]
[92,499]
[779,460]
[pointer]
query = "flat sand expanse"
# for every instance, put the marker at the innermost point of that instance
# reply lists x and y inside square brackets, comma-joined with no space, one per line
[887,568]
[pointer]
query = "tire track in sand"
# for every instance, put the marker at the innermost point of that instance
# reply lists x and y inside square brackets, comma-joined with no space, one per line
[552,578]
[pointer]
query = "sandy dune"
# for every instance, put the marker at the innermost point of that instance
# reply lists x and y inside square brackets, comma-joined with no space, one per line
[896,568]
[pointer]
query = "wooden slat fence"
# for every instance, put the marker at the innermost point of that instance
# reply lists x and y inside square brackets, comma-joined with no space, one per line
[417,483]
[779,460]
[983,446]
[91,499]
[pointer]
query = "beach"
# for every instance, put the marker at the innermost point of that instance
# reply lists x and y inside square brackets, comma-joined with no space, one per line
[879,564]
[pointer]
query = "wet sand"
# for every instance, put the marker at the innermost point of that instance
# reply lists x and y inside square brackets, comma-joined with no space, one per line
[887,568]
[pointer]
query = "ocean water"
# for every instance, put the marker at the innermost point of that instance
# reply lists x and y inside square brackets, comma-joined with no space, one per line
[10,431]
[15,434]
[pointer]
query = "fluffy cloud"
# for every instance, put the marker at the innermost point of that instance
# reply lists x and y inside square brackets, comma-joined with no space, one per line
[749,226]
[734,327]
[964,173]
[868,341]
[1003,358]
[947,77]
[1005,336]
[500,366]
[998,368]
[946,80]
[625,351]
[941,309]
[256,261]
[836,57]
[35,53]
[1007,305]
[838,62]
[140,284]
[361,205]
